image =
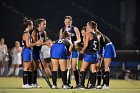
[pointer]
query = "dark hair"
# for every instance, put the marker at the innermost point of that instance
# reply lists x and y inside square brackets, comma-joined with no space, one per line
[68,17]
[65,34]
[27,23]
[93,25]
[84,28]
[38,21]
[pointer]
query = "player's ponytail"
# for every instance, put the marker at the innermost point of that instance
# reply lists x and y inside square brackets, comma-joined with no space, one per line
[27,23]
[65,34]
[93,25]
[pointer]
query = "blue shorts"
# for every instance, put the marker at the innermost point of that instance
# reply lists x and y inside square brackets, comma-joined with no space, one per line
[59,51]
[75,54]
[26,55]
[109,51]
[36,55]
[91,58]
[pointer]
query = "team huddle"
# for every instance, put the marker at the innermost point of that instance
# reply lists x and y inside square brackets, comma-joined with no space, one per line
[95,47]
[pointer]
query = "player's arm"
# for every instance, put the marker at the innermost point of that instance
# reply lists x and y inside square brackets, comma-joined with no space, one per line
[77,35]
[86,43]
[45,39]
[60,34]
[71,45]
[26,37]
[34,36]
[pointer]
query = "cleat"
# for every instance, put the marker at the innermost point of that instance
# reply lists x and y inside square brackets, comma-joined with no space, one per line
[98,87]
[82,87]
[77,86]
[105,87]
[36,86]
[54,87]
[67,87]
[27,86]
[91,87]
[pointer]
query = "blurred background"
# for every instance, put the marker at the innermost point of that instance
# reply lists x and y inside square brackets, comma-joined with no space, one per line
[118,19]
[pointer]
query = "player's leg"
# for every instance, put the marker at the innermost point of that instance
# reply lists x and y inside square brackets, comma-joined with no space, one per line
[107,62]
[92,77]
[35,65]
[63,66]
[55,66]
[75,56]
[84,65]
[26,75]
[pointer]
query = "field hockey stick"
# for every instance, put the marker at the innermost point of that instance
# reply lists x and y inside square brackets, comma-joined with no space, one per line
[100,64]
[88,77]
[69,71]
[45,76]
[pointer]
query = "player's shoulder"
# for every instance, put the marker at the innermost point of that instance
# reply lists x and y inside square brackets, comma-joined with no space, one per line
[76,29]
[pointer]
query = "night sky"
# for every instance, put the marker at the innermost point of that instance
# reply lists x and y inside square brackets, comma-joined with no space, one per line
[53,11]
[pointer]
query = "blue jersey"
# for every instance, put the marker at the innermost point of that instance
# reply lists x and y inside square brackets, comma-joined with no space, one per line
[60,49]
[27,51]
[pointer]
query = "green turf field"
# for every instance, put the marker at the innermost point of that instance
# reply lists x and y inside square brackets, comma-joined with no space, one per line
[13,85]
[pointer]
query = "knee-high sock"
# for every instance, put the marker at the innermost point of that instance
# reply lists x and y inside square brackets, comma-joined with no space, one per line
[76,74]
[25,77]
[99,76]
[30,77]
[54,77]
[34,77]
[106,78]
[64,77]
[92,78]
[82,77]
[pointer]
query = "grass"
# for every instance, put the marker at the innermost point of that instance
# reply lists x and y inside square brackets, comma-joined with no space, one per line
[13,85]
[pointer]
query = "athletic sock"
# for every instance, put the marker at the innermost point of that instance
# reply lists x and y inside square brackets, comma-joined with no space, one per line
[99,76]
[54,77]
[30,77]
[103,77]
[76,74]
[92,78]
[16,71]
[34,77]
[107,78]
[82,77]
[25,77]
[64,77]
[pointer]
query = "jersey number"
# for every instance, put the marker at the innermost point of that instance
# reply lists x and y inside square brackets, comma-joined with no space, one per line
[95,45]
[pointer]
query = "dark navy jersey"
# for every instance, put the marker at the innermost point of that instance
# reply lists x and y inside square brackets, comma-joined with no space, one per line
[93,45]
[24,42]
[39,36]
[72,32]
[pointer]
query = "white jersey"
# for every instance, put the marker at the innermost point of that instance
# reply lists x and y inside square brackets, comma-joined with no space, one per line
[16,56]
[3,49]
[45,51]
